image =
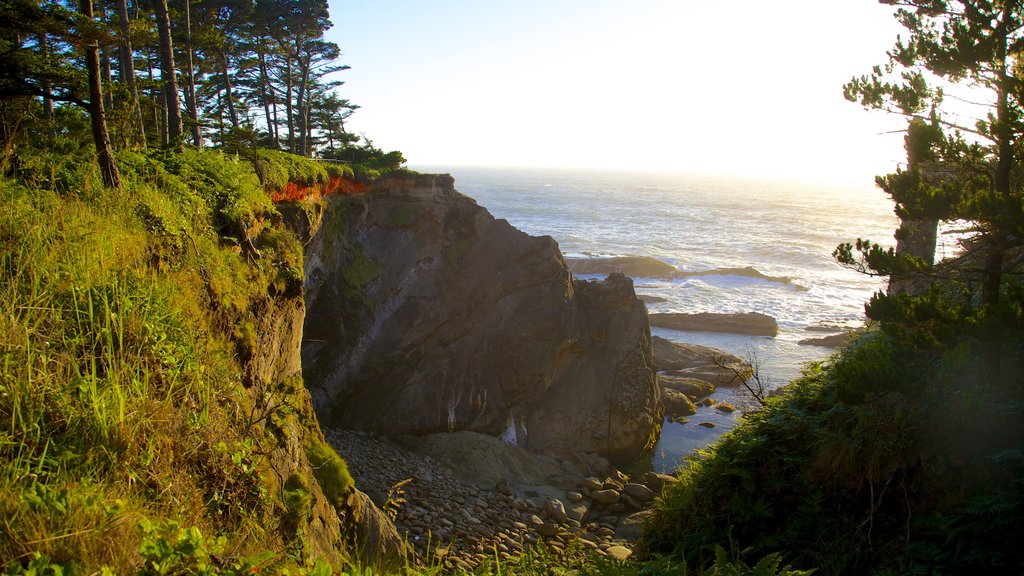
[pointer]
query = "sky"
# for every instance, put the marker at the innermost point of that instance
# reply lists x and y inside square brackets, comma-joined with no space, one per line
[748,88]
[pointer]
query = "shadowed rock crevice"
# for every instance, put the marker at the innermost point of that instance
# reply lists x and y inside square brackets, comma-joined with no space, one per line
[426,314]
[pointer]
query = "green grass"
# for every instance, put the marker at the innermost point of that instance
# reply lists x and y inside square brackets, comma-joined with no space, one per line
[124,416]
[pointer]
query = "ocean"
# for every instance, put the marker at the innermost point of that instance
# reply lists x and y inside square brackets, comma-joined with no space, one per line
[699,223]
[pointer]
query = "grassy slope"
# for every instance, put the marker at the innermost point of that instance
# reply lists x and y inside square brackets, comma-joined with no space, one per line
[134,430]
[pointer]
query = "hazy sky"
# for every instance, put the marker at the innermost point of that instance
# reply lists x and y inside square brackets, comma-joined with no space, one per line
[746,87]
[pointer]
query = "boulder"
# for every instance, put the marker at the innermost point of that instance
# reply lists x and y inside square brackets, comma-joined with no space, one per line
[604,496]
[669,355]
[631,527]
[380,543]
[639,492]
[426,315]
[749,323]
[692,387]
[632,266]
[677,404]
[656,481]
[647,267]
[832,341]
[620,553]
[555,510]
[693,361]
[547,529]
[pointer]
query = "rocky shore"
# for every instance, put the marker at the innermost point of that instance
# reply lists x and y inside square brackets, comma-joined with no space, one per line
[451,520]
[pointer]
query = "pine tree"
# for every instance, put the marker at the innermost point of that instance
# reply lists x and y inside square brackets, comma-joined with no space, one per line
[956,171]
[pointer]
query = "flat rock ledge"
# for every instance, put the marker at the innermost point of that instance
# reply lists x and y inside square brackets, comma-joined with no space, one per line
[748,323]
[680,360]
[831,341]
[455,523]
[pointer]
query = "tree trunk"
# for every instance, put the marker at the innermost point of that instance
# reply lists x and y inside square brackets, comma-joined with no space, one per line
[220,116]
[228,92]
[992,357]
[277,124]
[127,69]
[190,82]
[159,110]
[172,104]
[97,117]
[108,94]
[266,94]
[300,105]
[288,102]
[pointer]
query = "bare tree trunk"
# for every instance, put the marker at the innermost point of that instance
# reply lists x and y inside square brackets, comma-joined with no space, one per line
[220,116]
[97,116]
[159,111]
[228,92]
[267,94]
[172,104]
[108,94]
[288,102]
[277,124]
[300,106]
[127,69]
[190,82]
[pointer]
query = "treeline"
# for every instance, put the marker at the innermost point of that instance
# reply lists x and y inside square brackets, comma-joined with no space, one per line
[234,74]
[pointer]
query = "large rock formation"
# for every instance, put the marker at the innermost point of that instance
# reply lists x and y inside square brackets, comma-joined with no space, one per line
[428,315]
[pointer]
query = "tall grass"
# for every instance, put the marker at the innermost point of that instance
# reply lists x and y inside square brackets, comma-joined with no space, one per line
[120,390]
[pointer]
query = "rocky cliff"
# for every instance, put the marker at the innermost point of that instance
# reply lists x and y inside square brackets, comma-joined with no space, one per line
[426,314]
[334,517]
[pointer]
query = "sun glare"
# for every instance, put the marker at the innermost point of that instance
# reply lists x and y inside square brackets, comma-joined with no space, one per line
[753,89]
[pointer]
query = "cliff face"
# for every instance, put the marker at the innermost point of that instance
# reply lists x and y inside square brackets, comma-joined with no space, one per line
[425,314]
[339,517]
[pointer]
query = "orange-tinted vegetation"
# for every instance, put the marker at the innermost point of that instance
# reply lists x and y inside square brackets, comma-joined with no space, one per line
[293,191]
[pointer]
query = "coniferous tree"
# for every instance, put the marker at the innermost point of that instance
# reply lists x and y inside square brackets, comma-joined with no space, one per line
[97,115]
[168,76]
[191,104]
[126,68]
[956,171]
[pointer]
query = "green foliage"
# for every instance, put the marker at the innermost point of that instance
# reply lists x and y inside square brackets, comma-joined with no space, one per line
[40,565]
[894,483]
[770,565]
[958,170]
[873,364]
[331,472]
[794,472]
[121,390]
[280,168]
[168,549]
[367,161]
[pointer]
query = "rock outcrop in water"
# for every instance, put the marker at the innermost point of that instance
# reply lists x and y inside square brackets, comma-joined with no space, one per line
[750,323]
[426,314]
[646,267]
